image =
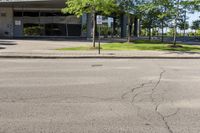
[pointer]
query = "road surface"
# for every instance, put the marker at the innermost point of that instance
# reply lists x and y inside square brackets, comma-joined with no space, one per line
[99,96]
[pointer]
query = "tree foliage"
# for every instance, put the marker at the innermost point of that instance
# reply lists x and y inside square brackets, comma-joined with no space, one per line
[153,13]
[79,7]
[196,25]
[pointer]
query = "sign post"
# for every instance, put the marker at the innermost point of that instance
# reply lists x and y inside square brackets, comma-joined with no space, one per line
[99,23]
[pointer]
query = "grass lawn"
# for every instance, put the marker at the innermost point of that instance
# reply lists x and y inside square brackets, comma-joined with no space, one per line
[141,45]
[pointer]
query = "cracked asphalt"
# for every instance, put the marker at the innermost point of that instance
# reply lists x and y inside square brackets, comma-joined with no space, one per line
[99,96]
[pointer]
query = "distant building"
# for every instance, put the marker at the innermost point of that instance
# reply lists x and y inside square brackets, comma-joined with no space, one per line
[21,18]
[43,18]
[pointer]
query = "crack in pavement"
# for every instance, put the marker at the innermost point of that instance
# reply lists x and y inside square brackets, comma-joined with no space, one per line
[152,100]
[173,114]
[164,117]
[157,84]
[158,105]
[133,92]
[137,94]
[134,89]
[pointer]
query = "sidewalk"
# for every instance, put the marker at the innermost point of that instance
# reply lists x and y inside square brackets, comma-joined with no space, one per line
[46,49]
[53,54]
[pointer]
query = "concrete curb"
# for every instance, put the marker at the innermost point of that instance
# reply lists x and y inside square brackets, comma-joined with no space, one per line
[95,57]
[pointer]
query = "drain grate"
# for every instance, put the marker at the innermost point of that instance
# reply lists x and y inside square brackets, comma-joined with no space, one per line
[97,65]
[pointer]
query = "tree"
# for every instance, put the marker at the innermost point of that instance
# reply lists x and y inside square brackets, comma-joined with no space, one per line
[195,25]
[150,12]
[79,7]
[188,6]
[184,25]
[192,4]
[128,7]
[180,7]
[165,7]
[176,11]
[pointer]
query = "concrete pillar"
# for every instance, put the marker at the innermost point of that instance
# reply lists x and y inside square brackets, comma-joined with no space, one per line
[114,26]
[6,22]
[89,26]
[84,25]
[123,23]
[136,27]
[139,28]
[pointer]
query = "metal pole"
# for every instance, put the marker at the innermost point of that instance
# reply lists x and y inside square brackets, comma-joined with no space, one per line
[99,48]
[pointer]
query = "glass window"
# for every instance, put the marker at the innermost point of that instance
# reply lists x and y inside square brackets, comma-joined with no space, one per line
[53,13]
[17,14]
[33,30]
[31,14]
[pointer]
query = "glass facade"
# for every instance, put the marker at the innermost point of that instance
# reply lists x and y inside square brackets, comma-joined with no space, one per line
[47,23]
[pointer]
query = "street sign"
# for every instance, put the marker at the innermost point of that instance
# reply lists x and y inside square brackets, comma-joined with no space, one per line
[99,19]
[99,22]
[18,22]
[110,19]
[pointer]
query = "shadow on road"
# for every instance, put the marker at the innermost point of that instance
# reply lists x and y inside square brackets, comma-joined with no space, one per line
[2,48]
[183,52]
[7,43]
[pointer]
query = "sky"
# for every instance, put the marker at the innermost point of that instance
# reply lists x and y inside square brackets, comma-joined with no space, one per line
[193,17]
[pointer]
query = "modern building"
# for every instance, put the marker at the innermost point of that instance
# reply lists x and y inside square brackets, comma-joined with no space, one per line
[43,18]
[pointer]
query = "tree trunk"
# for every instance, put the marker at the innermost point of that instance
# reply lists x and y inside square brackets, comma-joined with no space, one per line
[114,26]
[146,32]
[94,29]
[175,33]
[129,29]
[175,25]
[149,32]
[185,17]
[162,40]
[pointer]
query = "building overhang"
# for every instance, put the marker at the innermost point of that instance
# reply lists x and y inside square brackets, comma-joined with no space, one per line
[33,3]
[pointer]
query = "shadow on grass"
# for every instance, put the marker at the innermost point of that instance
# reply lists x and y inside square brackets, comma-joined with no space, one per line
[147,41]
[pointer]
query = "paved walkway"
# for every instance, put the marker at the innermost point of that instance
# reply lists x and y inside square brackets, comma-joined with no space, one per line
[46,49]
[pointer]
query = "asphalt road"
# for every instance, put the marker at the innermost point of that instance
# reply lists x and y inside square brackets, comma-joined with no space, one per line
[99,96]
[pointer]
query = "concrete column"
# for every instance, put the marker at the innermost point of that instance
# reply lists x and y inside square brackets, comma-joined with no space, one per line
[123,23]
[139,28]
[136,27]
[84,25]
[6,22]
[114,26]
[89,26]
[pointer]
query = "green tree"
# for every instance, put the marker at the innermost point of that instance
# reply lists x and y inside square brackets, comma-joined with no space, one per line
[176,14]
[79,7]
[128,8]
[165,7]
[188,6]
[183,26]
[150,12]
[192,4]
[195,26]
